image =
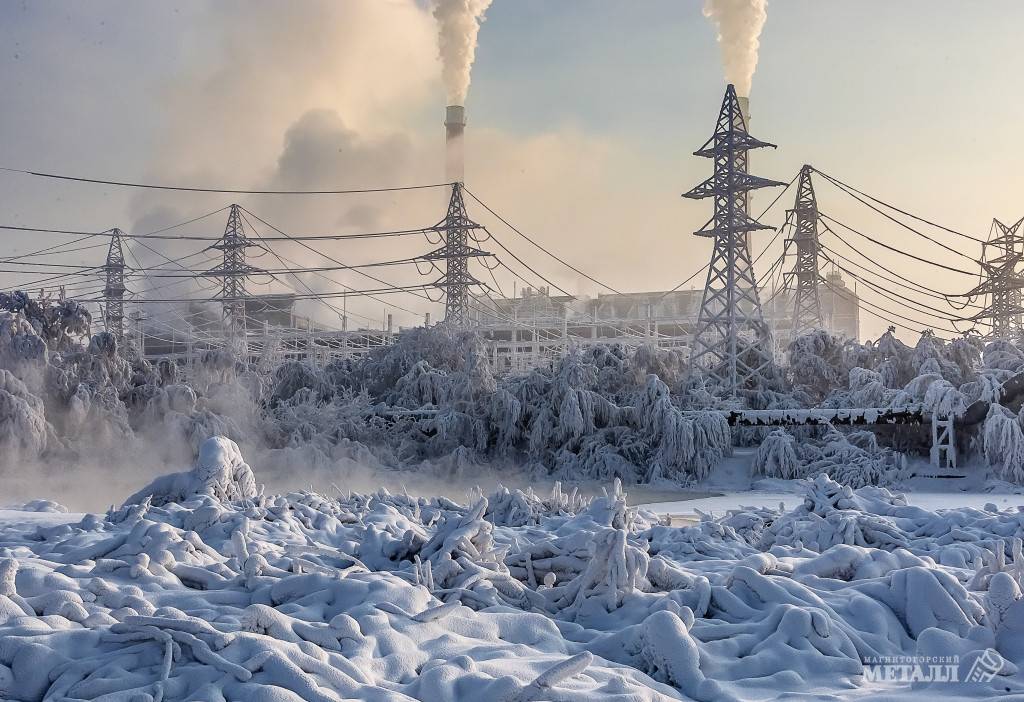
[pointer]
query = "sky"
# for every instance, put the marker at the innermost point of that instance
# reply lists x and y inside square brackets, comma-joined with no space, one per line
[583,115]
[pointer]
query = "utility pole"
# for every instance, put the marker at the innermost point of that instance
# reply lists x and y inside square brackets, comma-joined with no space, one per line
[1003,282]
[456,252]
[732,342]
[233,272]
[113,291]
[806,300]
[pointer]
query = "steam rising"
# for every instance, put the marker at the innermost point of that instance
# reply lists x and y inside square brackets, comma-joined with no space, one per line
[458,25]
[739,25]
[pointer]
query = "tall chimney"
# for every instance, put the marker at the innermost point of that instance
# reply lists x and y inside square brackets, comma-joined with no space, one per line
[454,128]
[744,103]
[745,110]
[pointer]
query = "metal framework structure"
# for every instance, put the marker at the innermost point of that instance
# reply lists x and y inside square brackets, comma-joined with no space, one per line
[1003,283]
[805,278]
[732,341]
[233,272]
[455,230]
[113,291]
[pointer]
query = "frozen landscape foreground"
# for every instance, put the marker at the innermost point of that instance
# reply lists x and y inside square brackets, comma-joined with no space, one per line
[201,587]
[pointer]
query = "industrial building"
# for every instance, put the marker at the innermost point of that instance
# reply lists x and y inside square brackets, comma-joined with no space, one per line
[532,327]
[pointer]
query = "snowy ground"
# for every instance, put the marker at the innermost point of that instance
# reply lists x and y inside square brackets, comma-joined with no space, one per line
[202,588]
[720,504]
[732,486]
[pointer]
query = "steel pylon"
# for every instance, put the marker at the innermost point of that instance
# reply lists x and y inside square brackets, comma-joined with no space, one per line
[805,278]
[456,251]
[233,273]
[732,341]
[113,290]
[1003,281]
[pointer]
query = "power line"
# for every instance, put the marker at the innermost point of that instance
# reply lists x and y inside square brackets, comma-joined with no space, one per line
[341,313]
[870,260]
[902,282]
[230,191]
[61,251]
[50,279]
[872,306]
[695,274]
[842,185]
[334,260]
[904,224]
[50,249]
[347,293]
[525,265]
[894,249]
[191,273]
[517,275]
[557,258]
[921,307]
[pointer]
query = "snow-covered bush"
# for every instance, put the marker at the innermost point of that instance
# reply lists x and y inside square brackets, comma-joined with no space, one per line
[431,402]
[24,431]
[1004,443]
[220,472]
[853,458]
[776,457]
[512,597]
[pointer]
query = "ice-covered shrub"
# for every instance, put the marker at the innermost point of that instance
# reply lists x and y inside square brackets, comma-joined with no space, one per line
[292,376]
[944,400]
[854,458]
[60,323]
[1002,354]
[220,472]
[1004,443]
[23,428]
[814,361]
[849,463]
[776,457]
[22,351]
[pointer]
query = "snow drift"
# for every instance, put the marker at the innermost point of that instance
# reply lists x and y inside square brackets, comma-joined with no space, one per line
[202,587]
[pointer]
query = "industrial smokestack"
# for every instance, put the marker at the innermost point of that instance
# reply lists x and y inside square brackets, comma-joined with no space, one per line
[744,110]
[454,128]
[744,103]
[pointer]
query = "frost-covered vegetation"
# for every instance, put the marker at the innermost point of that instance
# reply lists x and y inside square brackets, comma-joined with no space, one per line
[203,587]
[431,403]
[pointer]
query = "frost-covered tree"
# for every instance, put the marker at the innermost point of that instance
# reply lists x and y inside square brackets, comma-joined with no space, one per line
[1004,443]
[776,457]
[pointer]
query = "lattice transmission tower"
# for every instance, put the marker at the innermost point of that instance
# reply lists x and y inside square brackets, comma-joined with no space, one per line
[113,291]
[233,273]
[732,342]
[1003,281]
[455,230]
[805,278]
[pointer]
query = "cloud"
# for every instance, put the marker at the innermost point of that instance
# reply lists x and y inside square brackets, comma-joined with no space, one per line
[352,109]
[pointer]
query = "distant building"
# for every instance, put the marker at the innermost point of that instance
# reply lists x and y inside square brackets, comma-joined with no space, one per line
[536,326]
[200,326]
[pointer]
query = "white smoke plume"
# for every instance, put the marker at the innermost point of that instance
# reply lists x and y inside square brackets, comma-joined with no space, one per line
[458,25]
[739,25]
